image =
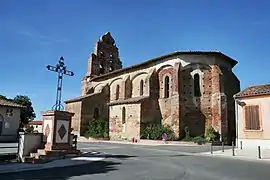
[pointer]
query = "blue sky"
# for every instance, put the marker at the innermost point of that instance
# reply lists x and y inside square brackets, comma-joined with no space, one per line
[34,34]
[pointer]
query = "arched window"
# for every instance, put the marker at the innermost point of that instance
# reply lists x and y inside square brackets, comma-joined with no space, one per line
[117,92]
[141,87]
[166,87]
[197,89]
[123,115]
[101,69]
[96,113]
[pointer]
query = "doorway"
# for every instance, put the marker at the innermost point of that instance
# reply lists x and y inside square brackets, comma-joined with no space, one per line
[1,124]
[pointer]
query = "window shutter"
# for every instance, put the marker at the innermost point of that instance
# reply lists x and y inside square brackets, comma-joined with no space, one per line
[252,117]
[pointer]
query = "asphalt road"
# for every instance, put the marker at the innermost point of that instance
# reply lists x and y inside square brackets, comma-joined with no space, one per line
[138,162]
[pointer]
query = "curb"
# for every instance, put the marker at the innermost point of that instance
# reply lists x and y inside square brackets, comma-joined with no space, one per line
[143,143]
[243,158]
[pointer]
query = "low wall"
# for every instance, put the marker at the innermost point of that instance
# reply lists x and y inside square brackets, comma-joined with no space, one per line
[8,138]
[28,143]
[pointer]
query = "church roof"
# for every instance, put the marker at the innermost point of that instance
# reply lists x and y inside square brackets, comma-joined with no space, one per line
[8,103]
[129,100]
[256,90]
[81,97]
[176,53]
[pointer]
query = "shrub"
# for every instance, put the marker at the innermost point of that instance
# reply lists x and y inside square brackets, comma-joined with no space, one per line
[187,135]
[97,128]
[29,129]
[211,134]
[155,131]
[199,140]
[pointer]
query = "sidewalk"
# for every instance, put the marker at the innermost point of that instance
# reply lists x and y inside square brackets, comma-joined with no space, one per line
[83,159]
[250,154]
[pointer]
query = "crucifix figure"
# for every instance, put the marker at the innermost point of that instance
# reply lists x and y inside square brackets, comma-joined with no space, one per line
[61,69]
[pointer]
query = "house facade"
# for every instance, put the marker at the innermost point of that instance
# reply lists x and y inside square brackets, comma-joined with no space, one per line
[36,125]
[9,120]
[252,116]
[191,89]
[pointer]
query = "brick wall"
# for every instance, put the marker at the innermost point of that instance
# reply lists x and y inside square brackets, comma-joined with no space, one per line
[131,127]
[75,107]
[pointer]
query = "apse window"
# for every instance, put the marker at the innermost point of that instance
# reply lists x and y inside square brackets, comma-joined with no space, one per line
[117,92]
[141,87]
[123,115]
[166,87]
[197,88]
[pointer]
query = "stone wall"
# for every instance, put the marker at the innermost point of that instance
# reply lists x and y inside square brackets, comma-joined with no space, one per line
[90,106]
[231,87]
[213,107]
[124,121]
[195,111]
[75,107]
[169,101]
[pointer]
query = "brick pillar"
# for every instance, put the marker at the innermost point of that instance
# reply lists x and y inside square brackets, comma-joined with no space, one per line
[219,103]
[175,105]
[123,89]
[93,65]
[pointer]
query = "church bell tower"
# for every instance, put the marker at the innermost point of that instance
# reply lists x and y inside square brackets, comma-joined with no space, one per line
[105,58]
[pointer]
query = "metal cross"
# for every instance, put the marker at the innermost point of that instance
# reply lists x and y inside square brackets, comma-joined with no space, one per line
[61,69]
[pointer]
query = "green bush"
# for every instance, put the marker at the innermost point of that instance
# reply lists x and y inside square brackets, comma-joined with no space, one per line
[155,131]
[97,128]
[211,134]
[187,135]
[199,140]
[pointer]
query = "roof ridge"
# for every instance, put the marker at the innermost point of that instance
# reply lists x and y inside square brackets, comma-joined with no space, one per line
[258,85]
[5,102]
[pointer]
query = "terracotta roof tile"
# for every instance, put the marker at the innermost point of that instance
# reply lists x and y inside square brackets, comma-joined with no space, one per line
[4,102]
[35,122]
[263,89]
[81,97]
[176,53]
[129,101]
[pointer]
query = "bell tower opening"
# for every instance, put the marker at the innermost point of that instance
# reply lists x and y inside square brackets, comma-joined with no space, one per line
[105,58]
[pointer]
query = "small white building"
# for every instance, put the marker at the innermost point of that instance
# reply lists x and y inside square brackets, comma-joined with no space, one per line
[253,116]
[9,120]
[37,125]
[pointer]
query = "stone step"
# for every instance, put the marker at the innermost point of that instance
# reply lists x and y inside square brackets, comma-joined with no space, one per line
[34,155]
[32,160]
[41,152]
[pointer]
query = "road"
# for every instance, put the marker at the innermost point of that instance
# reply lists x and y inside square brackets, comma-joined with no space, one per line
[141,162]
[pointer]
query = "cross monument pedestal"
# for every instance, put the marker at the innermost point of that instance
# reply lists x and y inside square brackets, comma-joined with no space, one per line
[56,130]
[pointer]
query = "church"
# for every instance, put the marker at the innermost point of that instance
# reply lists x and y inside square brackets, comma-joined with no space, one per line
[181,89]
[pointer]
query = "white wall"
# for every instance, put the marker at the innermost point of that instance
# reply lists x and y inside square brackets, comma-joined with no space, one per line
[37,128]
[10,123]
[254,138]
[29,143]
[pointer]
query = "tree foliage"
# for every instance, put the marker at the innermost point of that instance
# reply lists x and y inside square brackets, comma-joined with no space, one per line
[27,113]
[154,131]
[97,128]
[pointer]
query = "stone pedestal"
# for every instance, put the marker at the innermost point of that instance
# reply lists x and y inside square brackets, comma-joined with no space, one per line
[57,130]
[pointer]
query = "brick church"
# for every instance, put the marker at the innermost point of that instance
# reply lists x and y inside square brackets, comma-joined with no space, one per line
[191,89]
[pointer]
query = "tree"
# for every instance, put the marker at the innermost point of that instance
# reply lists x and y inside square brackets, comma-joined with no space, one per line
[3,97]
[27,113]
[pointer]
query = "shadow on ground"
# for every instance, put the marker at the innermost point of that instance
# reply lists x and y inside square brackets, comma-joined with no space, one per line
[64,173]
